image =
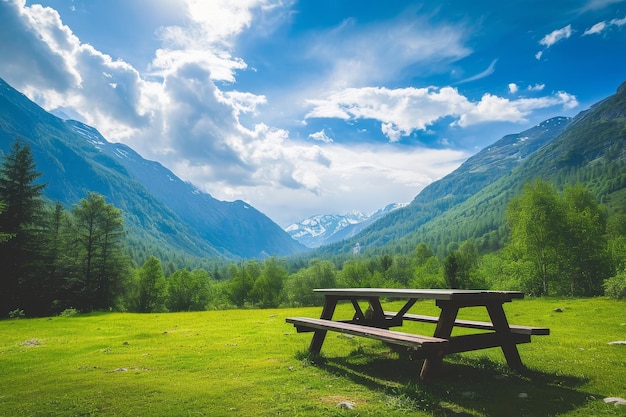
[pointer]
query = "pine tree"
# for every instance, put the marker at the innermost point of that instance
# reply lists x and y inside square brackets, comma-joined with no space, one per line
[21,220]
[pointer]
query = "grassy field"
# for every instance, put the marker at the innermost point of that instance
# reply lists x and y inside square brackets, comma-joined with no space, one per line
[251,363]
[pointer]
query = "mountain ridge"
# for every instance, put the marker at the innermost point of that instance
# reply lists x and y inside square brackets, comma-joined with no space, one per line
[476,173]
[322,229]
[75,158]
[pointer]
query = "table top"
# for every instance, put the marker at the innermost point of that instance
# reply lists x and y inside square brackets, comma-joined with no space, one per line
[429,294]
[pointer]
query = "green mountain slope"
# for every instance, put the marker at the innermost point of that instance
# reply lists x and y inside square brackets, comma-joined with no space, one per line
[160,210]
[471,202]
[478,172]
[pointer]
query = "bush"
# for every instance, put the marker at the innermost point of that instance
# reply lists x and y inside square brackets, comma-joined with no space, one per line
[615,287]
[18,313]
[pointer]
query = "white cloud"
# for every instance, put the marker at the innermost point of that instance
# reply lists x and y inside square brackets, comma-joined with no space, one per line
[536,87]
[493,108]
[602,26]
[555,36]
[406,110]
[321,136]
[190,114]
[597,28]
[487,72]
[619,22]
[352,177]
[513,88]
[353,54]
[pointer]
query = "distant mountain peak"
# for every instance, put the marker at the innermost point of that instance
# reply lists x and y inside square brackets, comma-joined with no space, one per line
[322,229]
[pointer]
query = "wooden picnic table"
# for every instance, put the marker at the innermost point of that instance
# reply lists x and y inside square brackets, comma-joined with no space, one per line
[375,323]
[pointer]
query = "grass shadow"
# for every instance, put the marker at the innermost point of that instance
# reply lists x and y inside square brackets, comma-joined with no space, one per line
[465,387]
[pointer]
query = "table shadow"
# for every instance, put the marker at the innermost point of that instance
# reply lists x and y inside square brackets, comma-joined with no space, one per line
[464,387]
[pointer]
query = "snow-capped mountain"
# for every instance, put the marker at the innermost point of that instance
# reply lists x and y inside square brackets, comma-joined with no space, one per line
[321,229]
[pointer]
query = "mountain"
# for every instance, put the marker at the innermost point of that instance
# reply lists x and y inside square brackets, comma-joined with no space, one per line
[158,206]
[589,149]
[479,171]
[323,229]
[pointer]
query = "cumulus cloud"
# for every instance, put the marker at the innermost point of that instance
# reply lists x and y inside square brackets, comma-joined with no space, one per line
[513,88]
[536,87]
[493,108]
[177,113]
[188,111]
[406,110]
[356,173]
[321,136]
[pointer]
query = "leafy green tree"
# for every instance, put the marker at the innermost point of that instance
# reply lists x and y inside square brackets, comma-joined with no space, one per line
[243,281]
[267,289]
[152,286]
[299,286]
[422,253]
[355,274]
[588,261]
[563,236]
[21,220]
[400,272]
[98,247]
[428,274]
[188,291]
[537,220]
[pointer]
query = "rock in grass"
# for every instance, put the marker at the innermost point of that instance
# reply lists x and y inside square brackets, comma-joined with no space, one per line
[615,400]
[347,405]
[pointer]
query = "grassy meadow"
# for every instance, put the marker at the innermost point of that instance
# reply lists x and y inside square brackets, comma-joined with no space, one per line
[251,363]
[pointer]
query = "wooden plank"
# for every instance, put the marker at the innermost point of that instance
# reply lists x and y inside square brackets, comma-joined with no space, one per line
[471,342]
[424,294]
[388,336]
[479,325]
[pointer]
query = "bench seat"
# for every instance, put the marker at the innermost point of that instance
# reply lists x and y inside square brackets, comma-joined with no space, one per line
[398,338]
[480,325]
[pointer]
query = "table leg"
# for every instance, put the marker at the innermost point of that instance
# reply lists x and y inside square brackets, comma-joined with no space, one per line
[447,317]
[330,302]
[501,326]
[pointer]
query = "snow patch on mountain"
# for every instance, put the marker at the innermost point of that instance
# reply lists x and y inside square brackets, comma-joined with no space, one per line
[323,229]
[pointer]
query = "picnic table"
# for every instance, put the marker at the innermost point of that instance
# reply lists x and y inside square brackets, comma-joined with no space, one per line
[375,323]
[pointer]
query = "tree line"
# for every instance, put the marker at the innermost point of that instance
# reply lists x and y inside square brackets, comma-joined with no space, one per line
[55,258]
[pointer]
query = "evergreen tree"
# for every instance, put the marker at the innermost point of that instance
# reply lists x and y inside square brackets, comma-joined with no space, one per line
[101,264]
[21,221]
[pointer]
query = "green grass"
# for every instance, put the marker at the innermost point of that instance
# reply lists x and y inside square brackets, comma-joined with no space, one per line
[251,363]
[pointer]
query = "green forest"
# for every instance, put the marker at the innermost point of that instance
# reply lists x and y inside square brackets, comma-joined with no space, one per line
[555,242]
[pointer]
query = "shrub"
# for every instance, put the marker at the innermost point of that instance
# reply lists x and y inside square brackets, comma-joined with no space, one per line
[615,287]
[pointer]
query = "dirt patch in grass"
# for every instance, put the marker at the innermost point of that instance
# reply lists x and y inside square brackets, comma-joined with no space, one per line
[31,343]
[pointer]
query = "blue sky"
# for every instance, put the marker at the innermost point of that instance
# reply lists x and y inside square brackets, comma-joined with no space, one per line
[316,106]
